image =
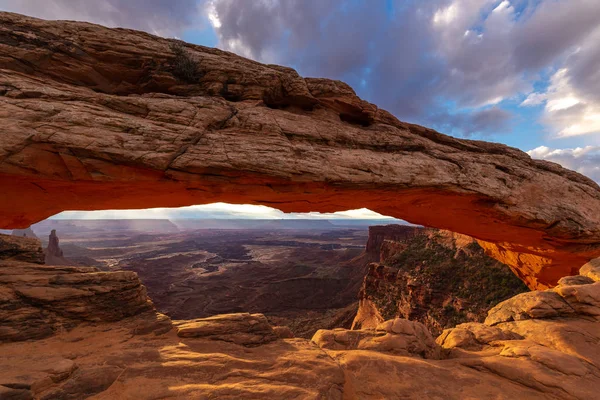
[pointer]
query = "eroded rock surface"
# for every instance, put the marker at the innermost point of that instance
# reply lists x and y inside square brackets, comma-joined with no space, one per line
[397,336]
[436,277]
[38,300]
[21,248]
[537,355]
[242,328]
[98,118]
[546,341]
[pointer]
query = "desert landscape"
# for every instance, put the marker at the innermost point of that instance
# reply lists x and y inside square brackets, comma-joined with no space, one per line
[301,276]
[479,277]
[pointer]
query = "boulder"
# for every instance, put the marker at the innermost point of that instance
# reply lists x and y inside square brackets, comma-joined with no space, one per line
[531,305]
[243,328]
[398,336]
[591,269]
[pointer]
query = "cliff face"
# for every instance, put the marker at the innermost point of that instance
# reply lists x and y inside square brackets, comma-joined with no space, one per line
[380,233]
[435,277]
[37,300]
[21,248]
[98,118]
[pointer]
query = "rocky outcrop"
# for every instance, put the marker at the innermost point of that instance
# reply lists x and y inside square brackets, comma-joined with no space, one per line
[53,249]
[591,270]
[544,340]
[378,234]
[19,248]
[438,278]
[242,328]
[397,336]
[38,300]
[53,254]
[518,353]
[98,118]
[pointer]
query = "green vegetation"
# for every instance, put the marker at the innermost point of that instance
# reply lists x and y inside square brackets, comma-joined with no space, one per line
[185,67]
[442,286]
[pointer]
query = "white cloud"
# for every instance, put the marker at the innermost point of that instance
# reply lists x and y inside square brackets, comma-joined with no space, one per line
[567,111]
[572,99]
[585,160]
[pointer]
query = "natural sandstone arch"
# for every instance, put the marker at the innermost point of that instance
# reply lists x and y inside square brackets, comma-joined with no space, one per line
[95,118]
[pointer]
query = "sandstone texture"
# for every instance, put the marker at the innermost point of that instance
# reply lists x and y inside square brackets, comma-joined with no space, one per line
[37,301]
[397,336]
[436,277]
[525,350]
[53,254]
[98,118]
[20,248]
[243,328]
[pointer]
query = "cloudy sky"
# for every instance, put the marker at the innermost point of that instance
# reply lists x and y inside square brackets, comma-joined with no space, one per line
[521,72]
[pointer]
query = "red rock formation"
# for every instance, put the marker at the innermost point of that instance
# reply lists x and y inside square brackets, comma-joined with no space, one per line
[97,118]
[53,253]
[19,248]
[438,278]
[380,233]
[53,248]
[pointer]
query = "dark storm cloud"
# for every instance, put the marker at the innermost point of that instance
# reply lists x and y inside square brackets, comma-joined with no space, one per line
[162,17]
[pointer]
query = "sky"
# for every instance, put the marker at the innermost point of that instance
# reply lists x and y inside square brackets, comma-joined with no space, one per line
[521,72]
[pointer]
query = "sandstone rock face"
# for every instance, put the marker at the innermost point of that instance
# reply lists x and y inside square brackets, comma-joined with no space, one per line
[546,341]
[591,269]
[398,336]
[97,118]
[21,248]
[436,277]
[378,234]
[139,357]
[38,300]
[243,328]
[53,254]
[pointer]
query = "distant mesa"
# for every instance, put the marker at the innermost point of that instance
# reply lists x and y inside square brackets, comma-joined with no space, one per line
[28,232]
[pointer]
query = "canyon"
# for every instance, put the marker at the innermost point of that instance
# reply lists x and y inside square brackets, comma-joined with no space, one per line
[99,118]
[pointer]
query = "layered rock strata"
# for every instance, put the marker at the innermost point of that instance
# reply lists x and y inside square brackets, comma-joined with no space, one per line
[37,300]
[98,118]
[435,277]
[20,248]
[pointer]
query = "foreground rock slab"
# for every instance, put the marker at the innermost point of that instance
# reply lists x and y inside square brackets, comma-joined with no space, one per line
[243,328]
[98,118]
[524,351]
[38,300]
